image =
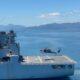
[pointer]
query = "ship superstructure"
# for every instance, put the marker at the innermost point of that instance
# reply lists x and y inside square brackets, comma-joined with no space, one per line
[15,66]
[8,44]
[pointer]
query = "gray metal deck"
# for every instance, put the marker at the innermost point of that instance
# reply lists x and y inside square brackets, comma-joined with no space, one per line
[47,60]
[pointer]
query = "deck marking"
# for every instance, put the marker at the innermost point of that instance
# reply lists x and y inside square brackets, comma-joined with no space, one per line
[40,59]
[50,58]
[27,59]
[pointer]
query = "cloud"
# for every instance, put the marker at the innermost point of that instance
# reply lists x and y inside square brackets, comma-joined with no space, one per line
[54,14]
[42,16]
[48,15]
[72,13]
[64,14]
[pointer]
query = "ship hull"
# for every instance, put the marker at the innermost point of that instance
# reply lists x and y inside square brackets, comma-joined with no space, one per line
[31,71]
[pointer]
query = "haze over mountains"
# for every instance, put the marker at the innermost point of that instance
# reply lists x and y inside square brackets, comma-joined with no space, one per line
[53,27]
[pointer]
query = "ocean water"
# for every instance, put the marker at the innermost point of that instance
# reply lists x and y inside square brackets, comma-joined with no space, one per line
[32,42]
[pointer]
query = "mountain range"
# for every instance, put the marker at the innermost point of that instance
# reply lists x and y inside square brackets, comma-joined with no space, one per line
[46,27]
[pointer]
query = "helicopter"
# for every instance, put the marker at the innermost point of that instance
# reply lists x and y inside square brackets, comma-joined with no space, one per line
[48,50]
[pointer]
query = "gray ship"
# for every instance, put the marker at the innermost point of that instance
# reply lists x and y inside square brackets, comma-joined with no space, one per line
[15,66]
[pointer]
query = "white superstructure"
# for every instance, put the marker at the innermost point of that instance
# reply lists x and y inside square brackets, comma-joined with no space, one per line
[15,66]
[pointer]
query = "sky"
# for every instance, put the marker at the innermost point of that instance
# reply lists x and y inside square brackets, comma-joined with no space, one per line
[39,12]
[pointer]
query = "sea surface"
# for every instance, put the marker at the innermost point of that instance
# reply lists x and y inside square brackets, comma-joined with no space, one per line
[32,42]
